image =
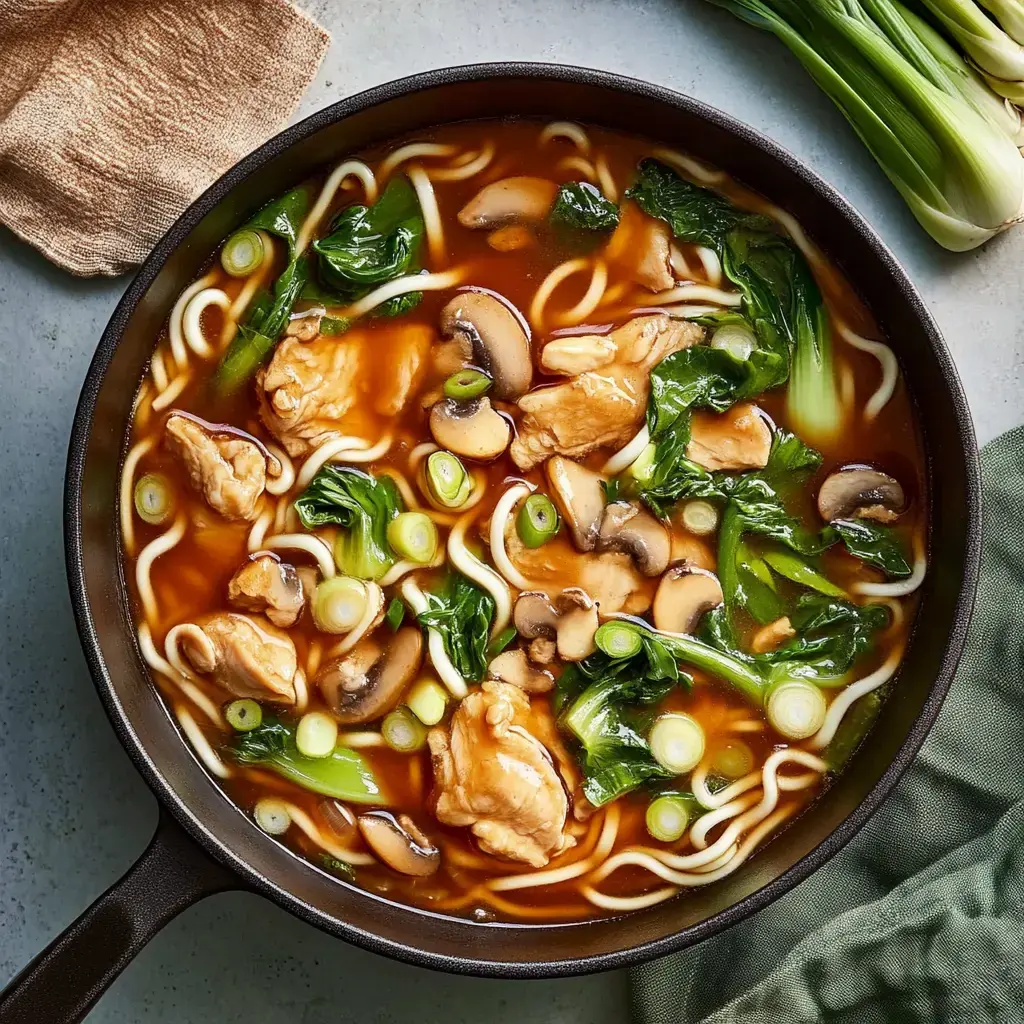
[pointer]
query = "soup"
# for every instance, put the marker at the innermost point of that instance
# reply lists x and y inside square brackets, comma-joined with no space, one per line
[523,521]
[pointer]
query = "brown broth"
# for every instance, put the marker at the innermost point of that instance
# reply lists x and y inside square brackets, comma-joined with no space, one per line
[190,581]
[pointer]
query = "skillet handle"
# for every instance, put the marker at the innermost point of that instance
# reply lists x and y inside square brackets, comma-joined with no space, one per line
[63,982]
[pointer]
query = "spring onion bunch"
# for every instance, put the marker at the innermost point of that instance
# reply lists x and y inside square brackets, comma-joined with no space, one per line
[946,142]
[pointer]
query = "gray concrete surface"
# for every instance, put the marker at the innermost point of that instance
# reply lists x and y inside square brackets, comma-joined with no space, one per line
[73,812]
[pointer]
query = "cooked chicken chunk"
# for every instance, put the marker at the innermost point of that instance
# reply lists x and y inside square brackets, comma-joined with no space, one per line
[404,357]
[737,439]
[772,636]
[246,656]
[604,406]
[228,471]
[266,584]
[305,328]
[578,353]
[495,776]
[640,247]
[307,388]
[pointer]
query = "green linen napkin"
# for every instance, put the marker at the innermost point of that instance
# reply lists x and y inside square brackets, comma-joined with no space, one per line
[921,916]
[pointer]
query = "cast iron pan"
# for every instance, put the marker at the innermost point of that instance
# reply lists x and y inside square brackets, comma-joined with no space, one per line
[203,844]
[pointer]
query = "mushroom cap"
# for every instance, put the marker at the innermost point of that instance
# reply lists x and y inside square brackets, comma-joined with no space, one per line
[534,615]
[683,596]
[625,526]
[399,843]
[514,667]
[490,334]
[577,624]
[862,492]
[368,681]
[472,429]
[517,199]
[578,493]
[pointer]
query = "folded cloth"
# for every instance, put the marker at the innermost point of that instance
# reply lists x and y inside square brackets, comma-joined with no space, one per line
[116,114]
[921,917]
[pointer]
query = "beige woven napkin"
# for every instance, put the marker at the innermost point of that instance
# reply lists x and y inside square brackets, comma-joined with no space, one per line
[115,114]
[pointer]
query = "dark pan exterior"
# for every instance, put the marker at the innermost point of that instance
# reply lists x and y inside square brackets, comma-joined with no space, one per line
[99,595]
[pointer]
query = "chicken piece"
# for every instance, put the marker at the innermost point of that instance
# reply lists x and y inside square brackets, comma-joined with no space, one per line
[602,407]
[774,635]
[228,471]
[492,774]
[246,656]
[640,246]
[404,355]
[307,388]
[578,353]
[610,577]
[266,584]
[737,439]
[304,328]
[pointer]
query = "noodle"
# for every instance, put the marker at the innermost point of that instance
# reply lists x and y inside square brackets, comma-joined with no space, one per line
[313,657]
[578,165]
[361,740]
[470,566]
[283,481]
[339,446]
[200,744]
[711,263]
[414,151]
[680,268]
[404,487]
[159,371]
[127,499]
[348,169]
[311,545]
[248,290]
[685,292]
[690,167]
[900,588]
[604,176]
[174,325]
[591,298]
[431,214]
[259,530]
[450,675]
[308,826]
[467,170]
[406,566]
[402,286]
[726,812]
[566,130]
[301,691]
[563,271]
[144,563]
[152,658]
[371,617]
[499,520]
[625,457]
[190,320]
[174,389]
[627,904]
[887,360]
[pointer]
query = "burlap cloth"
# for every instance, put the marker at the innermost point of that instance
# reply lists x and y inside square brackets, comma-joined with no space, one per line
[115,114]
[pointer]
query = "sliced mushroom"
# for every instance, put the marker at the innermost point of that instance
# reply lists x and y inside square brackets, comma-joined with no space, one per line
[625,526]
[368,682]
[399,843]
[861,492]
[571,621]
[577,624]
[509,200]
[472,429]
[579,495]
[490,335]
[515,668]
[683,596]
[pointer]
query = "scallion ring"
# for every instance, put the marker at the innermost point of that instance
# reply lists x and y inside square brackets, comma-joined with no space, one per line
[339,604]
[403,731]
[537,521]
[796,709]
[668,817]
[244,715]
[316,734]
[446,480]
[154,499]
[700,517]
[242,253]
[272,816]
[732,759]
[413,535]
[677,742]
[736,339]
[427,700]
[618,640]
[468,383]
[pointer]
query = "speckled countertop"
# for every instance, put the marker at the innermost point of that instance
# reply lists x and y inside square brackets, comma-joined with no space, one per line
[73,812]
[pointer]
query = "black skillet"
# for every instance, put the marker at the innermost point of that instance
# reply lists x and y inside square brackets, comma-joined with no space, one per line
[203,844]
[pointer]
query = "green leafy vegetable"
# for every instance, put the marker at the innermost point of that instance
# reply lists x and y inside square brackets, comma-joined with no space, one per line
[370,245]
[334,324]
[284,217]
[875,544]
[362,505]
[395,614]
[501,641]
[581,207]
[337,867]
[462,613]
[343,775]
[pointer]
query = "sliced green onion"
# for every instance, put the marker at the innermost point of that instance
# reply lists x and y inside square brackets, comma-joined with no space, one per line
[316,735]
[736,339]
[447,481]
[242,253]
[732,759]
[469,383]
[395,614]
[272,816]
[413,535]
[154,499]
[427,700]
[618,640]
[403,731]
[537,521]
[243,715]
[793,567]
[700,517]
[641,469]
[501,641]
[796,709]
[668,817]
[339,604]
[677,742]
